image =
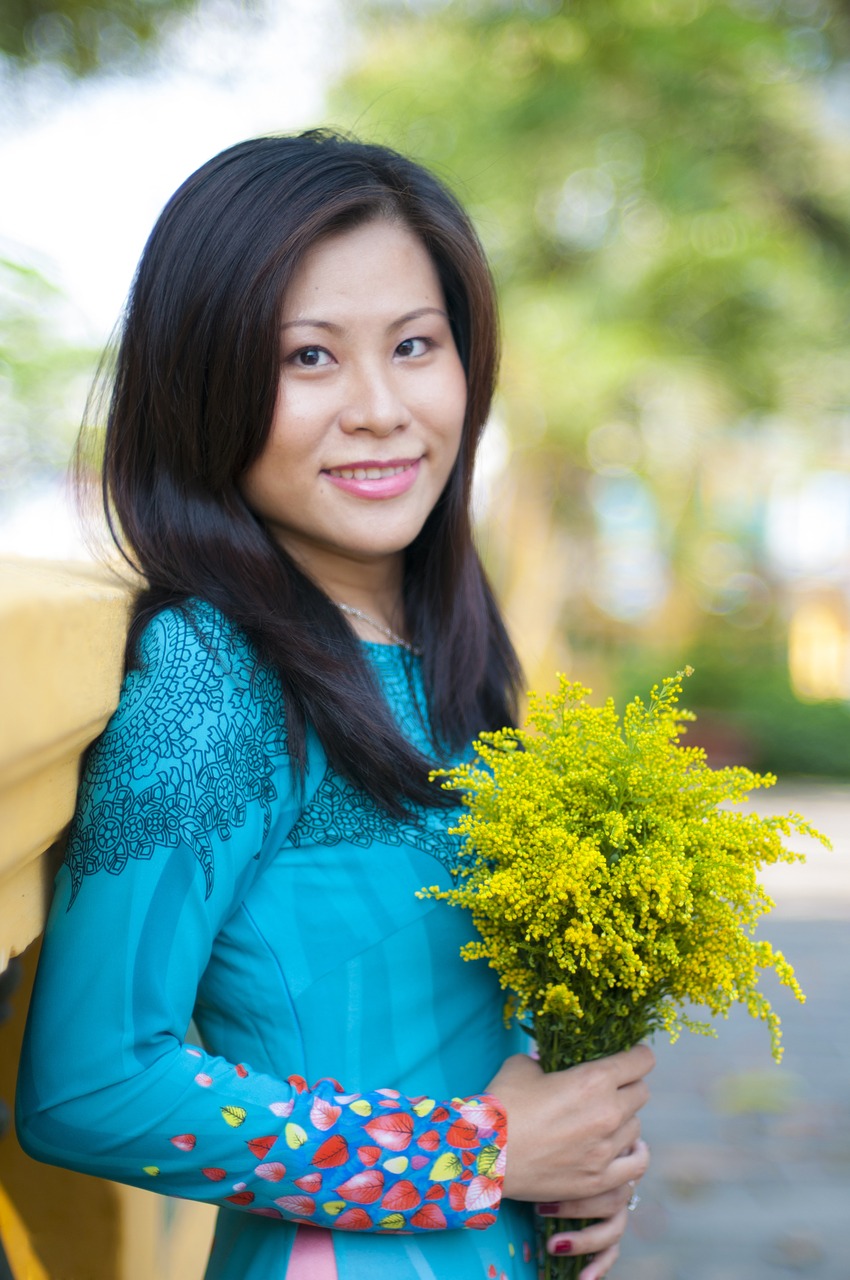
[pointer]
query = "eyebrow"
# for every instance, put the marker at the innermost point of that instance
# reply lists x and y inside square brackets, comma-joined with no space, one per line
[307,323]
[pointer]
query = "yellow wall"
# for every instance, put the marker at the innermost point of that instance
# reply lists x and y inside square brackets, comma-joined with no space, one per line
[62,631]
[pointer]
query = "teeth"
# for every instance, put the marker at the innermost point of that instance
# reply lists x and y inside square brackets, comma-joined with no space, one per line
[366,473]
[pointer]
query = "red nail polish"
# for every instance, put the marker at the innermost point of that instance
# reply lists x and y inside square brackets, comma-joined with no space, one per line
[563,1246]
[548,1210]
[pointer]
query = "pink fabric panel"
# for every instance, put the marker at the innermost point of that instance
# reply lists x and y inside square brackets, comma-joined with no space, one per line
[312,1256]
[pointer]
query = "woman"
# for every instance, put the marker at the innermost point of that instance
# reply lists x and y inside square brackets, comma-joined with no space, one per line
[306,366]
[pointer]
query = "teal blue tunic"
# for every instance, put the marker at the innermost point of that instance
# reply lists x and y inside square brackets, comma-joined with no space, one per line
[336,1093]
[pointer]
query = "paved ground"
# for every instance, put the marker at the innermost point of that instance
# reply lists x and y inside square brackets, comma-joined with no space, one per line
[750,1177]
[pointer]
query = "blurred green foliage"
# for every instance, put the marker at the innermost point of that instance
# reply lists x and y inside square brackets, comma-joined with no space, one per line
[663,187]
[84,36]
[747,711]
[44,376]
[658,182]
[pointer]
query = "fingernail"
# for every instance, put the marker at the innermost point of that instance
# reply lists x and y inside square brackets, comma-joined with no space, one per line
[547,1210]
[563,1246]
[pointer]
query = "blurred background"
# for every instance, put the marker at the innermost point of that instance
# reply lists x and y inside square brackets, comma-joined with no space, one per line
[663,187]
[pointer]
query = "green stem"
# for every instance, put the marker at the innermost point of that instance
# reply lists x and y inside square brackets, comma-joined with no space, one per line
[559,1048]
[569,1266]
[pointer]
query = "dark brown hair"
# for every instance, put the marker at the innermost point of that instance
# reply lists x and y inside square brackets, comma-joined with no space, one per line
[193,398]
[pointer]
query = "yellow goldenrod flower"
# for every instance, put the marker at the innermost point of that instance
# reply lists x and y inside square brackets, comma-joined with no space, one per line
[610,884]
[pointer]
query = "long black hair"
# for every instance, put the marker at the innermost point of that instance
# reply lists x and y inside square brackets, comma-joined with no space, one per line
[194,393]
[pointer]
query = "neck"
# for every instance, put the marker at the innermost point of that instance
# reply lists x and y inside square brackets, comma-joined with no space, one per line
[372,587]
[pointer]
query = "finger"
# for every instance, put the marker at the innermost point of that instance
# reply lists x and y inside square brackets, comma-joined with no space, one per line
[633,1095]
[601,1264]
[593,1239]
[601,1206]
[633,1064]
[634,1163]
[627,1136]
[607,1203]
[621,1170]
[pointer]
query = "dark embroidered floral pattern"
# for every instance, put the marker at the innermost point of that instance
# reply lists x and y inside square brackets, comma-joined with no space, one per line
[193,744]
[338,813]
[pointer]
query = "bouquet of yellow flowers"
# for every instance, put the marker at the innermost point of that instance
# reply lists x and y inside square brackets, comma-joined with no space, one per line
[610,883]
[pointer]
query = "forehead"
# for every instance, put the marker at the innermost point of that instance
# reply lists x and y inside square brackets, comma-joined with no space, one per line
[381,263]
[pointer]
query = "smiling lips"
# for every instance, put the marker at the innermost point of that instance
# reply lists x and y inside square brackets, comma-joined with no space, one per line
[374,479]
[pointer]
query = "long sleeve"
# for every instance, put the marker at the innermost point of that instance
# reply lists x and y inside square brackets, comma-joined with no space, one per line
[185,798]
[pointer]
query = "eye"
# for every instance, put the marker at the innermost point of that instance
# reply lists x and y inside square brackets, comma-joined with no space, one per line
[414,347]
[310,358]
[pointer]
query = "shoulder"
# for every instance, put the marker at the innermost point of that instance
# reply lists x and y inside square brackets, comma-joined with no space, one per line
[193,650]
[194,755]
[195,685]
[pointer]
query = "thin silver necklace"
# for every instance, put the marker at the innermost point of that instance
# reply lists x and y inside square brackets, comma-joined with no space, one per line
[378,626]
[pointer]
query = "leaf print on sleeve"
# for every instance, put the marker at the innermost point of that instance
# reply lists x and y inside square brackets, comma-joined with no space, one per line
[331,1162]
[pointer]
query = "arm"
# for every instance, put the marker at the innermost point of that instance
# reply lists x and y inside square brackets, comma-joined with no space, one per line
[185,797]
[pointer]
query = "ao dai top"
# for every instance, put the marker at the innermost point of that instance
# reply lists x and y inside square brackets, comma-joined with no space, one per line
[333,1107]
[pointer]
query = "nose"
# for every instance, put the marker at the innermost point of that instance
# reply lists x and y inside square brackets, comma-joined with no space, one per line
[373,402]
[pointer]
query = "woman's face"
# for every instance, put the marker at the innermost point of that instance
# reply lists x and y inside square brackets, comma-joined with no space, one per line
[370,406]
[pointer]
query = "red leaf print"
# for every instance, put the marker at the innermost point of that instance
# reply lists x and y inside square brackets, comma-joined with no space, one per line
[184,1141]
[485,1116]
[457,1196]
[440,1113]
[241,1071]
[462,1134]
[298,1083]
[389,1093]
[310,1182]
[332,1152]
[203,1080]
[272,1172]
[468,1157]
[260,1147]
[466,1176]
[328,1080]
[526,1251]
[241,1197]
[402,1196]
[492,1271]
[391,1131]
[362,1188]
[419,1162]
[430,1215]
[480,1221]
[214,1175]
[353,1220]
[267,1213]
[387,1102]
[302,1205]
[483,1193]
[429,1140]
[435,1193]
[323,1115]
[369,1155]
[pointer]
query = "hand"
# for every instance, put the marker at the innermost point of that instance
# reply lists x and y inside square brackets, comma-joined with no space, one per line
[573,1135]
[602,1238]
